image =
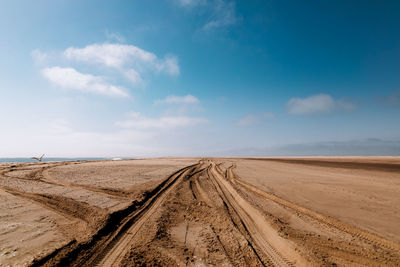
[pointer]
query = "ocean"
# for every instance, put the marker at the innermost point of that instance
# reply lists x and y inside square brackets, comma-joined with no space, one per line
[5,160]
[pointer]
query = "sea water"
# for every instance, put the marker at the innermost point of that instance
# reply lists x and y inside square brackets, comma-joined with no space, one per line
[4,160]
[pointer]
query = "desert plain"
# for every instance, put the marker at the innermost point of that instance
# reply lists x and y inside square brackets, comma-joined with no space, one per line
[314,211]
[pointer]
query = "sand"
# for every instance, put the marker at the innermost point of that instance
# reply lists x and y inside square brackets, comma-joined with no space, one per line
[193,212]
[365,197]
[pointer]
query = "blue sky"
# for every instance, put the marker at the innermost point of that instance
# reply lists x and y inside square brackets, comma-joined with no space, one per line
[199,77]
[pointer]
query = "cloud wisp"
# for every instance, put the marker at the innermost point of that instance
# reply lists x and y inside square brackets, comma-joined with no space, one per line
[316,104]
[248,120]
[122,55]
[224,14]
[69,78]
[190,3]
[134,77]
[173,99]
[392,99]
[39,57]
[114,36]
[254,119]
[140,122]
[179,105]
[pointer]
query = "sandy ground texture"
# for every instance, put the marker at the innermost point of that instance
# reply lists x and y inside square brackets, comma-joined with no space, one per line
[45,206]
[359,191]
[202,212]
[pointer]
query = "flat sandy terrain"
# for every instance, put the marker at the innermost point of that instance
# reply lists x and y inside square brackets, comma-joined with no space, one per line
[198,212]
[358,193]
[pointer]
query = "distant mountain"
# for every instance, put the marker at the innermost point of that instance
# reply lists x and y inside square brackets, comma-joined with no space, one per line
[366,147]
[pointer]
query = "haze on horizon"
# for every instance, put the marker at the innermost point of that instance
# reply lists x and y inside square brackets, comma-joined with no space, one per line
[199,77]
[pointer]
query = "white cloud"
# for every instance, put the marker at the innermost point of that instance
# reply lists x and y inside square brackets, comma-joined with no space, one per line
[111,55]
[140,122]
[172,99]
[115,36]
[179,105]
[169,65]
[316,104]
[321,103]
[224,15]
[122,55]
[131,62]
[134,77]
[69,78]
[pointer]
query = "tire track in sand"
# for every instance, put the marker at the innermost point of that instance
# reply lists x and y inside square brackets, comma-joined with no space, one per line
[93,251]
[354,231]
[198,191]
[42,175]
[279,251]
[67,207]
[62,205]
[120,242]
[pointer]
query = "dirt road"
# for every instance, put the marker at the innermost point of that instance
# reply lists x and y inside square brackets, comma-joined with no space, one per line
[201,214]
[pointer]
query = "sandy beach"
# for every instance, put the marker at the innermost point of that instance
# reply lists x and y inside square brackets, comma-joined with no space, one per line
[190,211]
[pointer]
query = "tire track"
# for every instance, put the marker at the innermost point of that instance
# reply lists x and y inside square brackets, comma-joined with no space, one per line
[91,252]
[65,206]
[116,193]
[354,231]
[39,186]
[199,193]
[222,245]
[233,215]
[42,175]
[119,243]
[265,237]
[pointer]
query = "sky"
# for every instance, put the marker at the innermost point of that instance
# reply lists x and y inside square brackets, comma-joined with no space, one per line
[199,78]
